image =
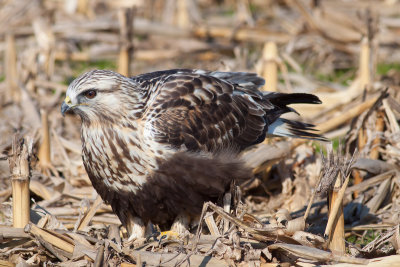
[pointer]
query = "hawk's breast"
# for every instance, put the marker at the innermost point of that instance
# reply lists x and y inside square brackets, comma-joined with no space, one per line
[115,157]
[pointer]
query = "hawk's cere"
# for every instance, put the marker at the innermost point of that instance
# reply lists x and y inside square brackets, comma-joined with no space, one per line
[158,145]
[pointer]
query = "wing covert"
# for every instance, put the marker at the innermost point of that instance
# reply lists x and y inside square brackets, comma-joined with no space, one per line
[202,112]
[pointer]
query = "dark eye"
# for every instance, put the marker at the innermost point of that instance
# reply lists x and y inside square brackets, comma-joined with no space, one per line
[90,94]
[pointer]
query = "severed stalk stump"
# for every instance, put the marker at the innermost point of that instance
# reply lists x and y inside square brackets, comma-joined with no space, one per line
[336,233]
[336,169]
[270,67]
[20,176]
[125,17]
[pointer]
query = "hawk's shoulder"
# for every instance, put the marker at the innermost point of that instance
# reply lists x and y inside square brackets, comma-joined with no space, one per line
[157,76]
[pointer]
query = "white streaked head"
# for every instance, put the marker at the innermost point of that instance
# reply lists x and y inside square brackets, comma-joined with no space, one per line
[100,94]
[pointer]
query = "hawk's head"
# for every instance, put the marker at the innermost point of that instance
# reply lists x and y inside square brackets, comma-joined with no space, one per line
[100,94]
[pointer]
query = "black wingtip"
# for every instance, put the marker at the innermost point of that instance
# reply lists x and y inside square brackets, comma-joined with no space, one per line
[304,98]
[282,99]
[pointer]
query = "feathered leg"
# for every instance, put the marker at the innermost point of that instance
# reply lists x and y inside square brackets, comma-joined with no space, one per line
[136,228]
[181,224]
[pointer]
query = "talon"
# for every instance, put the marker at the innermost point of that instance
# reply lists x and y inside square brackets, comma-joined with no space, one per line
[153,235]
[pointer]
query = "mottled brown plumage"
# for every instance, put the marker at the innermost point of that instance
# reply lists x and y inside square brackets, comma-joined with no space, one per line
[155,145]
[180,184]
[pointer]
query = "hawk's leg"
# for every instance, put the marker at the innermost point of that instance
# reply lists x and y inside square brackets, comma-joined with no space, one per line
[136,228]
[181,224]
[179,228]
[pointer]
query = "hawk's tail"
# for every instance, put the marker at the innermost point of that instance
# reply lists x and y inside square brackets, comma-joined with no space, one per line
[289,128]
[297,129]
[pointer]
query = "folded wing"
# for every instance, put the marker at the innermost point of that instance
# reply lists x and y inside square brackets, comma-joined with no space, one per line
[213,111]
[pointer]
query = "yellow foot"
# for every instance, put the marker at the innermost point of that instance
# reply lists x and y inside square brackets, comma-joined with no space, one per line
[169,235]
[174,237]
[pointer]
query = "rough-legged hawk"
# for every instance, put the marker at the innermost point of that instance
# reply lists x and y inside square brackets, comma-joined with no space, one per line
[159,145]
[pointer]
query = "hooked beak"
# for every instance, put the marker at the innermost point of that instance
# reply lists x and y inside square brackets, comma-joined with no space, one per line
[66,105]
